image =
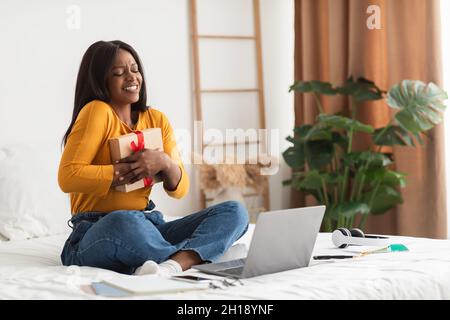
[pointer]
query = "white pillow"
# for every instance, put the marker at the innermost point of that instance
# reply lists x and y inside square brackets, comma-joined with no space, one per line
[31,203]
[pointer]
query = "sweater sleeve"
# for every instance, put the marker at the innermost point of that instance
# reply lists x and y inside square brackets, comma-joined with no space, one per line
[76,172]
[170,147]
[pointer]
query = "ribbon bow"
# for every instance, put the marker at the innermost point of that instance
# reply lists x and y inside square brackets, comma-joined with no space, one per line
[138,147]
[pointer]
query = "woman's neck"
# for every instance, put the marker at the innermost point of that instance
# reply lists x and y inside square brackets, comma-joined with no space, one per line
[124,113]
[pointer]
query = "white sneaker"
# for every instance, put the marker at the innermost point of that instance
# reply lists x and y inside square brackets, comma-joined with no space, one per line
[149,267]
[166,268]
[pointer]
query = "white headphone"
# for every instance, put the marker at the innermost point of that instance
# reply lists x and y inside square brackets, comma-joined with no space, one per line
[343,237]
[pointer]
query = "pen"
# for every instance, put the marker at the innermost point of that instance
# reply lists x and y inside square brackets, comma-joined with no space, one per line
[331,257]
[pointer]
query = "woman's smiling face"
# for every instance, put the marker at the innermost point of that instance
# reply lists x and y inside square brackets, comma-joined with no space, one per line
[124,80]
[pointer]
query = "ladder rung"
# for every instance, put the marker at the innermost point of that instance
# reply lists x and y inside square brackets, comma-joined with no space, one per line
[248,195]
[227,90]
[230,143]
[245,195]
[225,37]
[224,163]
[257,210]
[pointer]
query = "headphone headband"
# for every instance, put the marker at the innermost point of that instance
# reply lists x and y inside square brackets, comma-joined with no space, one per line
[342,240]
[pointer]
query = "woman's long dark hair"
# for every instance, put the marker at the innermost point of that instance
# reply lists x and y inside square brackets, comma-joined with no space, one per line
[93,76]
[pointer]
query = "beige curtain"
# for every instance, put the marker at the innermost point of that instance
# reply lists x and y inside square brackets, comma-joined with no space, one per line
[332,42]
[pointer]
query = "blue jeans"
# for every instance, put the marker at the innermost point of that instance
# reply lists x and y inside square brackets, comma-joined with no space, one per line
[123,240]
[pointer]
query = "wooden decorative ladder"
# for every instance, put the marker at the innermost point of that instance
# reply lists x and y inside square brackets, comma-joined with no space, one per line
[199,93]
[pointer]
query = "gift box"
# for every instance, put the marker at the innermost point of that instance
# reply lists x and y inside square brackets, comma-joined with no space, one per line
[124,146]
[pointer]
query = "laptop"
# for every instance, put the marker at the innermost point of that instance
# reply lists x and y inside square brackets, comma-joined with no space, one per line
[282,240]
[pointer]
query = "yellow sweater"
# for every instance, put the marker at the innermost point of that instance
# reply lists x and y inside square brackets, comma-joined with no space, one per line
[86,170]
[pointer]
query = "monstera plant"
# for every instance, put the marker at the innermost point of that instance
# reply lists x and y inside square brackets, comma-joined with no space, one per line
[353,184]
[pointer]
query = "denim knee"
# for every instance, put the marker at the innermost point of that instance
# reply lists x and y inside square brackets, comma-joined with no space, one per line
[238,214]
[123,222]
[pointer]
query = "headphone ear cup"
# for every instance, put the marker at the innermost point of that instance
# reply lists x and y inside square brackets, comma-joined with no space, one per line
[346,233]
[355,232]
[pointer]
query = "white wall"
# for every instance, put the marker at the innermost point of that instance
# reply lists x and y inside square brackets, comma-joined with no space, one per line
[277,29]
[40,56]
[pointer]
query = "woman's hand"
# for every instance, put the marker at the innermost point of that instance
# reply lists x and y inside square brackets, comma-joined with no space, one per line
[145,163]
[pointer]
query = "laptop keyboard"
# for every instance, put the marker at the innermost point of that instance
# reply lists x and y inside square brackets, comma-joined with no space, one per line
[229,264]
[236,267]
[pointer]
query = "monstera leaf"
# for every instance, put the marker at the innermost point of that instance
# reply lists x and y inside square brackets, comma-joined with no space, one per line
[345,123]
[382,199]
[392,135]
[368,158]
[311,180]
[420,105]
[295,157]
[314,145]
[361,89]
[349,210]
[314,86]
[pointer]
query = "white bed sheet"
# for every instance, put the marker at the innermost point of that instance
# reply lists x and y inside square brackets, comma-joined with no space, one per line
[31,269]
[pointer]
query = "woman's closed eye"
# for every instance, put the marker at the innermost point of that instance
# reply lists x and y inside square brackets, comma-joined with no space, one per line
[121,71]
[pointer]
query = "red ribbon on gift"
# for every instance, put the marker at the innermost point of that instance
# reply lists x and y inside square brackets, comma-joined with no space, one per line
[148,181]
[140,146]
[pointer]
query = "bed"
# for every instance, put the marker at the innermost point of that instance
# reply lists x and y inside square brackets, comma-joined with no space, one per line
[31,269]
[34,212]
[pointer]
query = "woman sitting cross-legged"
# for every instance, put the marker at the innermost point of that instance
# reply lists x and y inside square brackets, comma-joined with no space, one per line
[122,231]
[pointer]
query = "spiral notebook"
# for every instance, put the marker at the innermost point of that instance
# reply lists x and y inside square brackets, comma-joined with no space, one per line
[151,284]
